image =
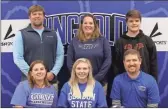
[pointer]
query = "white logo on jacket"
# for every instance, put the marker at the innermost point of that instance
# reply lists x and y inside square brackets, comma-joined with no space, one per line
[88,46]
[142,88]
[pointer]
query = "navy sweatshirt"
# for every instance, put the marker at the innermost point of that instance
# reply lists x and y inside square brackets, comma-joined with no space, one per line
[97,50]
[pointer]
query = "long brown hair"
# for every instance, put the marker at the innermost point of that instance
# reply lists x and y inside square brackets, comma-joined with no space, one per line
[31,79]
[96,32]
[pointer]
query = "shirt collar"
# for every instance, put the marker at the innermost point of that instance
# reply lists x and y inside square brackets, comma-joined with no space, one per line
[29,28]
[136,79]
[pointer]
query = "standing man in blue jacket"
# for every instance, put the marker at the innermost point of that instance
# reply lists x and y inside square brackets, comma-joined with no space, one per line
[37,42]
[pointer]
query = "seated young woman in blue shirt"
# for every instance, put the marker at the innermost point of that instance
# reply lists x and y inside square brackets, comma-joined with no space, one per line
[82,90]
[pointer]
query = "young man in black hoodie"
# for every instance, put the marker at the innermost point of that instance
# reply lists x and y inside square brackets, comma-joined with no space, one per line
[134,38]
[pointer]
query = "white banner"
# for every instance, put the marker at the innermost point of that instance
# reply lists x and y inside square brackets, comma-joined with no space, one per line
[8,30]
[157,29]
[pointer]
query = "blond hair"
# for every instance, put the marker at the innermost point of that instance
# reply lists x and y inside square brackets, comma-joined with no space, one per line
[73,82]
[96,33]
[31,79]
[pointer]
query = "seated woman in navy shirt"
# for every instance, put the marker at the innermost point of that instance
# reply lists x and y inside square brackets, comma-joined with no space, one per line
[82,90]
[36,91]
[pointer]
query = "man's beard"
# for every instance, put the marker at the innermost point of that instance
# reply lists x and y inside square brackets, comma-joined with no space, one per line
[133,72]
[38,24]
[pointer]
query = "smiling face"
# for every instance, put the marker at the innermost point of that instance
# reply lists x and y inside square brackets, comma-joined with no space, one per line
[38,72]
[133,24]
[37,19]
[132,63]
[82,71]
[88,26]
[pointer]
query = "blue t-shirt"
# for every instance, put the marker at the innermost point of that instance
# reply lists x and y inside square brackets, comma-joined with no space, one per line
[141,92]
[26,96]
[67,100]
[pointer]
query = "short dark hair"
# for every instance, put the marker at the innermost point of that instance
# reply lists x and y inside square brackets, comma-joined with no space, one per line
[35,8]
[133,13]
[132,51]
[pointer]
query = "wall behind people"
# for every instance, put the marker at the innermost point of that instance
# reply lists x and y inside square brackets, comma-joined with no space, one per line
[64,17]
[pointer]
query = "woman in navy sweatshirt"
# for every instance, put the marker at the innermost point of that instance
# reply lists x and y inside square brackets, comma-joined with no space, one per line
[90,44]
[82,90]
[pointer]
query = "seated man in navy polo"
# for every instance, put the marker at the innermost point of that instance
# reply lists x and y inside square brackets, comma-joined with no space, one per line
[134,88]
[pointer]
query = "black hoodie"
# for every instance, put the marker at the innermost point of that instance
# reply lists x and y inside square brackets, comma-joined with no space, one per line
[147,50]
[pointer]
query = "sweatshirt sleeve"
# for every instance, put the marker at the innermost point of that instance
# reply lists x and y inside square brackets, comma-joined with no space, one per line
[59,56]
[19,97]
[116,93]
[63,98]
[101,102]
[153,94]
[54,104]
[117,59]
[70,56]
[18,53]
[107,61]
[153,58]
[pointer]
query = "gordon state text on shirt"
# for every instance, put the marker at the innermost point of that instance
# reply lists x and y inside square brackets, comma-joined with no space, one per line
[82,102]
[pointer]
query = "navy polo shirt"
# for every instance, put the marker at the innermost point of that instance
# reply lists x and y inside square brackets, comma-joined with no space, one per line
[140,92]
